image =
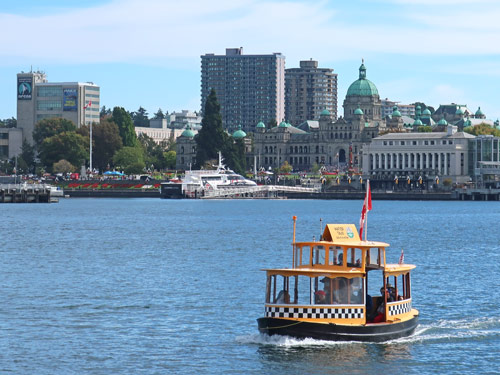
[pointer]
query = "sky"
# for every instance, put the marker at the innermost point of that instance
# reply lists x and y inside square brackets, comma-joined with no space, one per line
[147,52]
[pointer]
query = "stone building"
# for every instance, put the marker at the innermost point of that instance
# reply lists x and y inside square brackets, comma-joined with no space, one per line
[330,143]
[442,154]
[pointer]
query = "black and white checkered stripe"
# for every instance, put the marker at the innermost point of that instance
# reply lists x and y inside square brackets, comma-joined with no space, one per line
[314,313]
[400,308]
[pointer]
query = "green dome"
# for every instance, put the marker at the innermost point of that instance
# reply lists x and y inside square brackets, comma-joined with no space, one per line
[188,132]
[443,122]
[479,112]
[358,111]
[459,111]
[261,125]
[325,112]
[426,113]
[283,124]
[362,86]
[239,134]
[417,122]
[395,112]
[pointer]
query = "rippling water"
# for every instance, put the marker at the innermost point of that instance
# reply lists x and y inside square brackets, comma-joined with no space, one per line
[150,286]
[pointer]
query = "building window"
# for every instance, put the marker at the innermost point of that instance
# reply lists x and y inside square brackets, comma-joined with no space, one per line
[44,91]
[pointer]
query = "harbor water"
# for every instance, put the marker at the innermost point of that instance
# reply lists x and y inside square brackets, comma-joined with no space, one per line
[150,286]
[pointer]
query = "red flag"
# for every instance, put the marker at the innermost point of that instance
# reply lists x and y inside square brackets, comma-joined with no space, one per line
[367,206]
[88,105]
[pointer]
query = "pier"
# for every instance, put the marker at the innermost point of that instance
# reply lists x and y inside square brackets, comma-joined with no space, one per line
[260,191]
[26,193]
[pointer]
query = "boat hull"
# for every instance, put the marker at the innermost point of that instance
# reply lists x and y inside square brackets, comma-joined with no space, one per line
[335,332]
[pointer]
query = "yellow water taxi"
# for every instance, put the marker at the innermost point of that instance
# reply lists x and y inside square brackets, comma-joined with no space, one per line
[324,295]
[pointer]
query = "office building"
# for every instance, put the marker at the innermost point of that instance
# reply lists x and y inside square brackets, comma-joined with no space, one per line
[308,91]
[38,99]
[249,88]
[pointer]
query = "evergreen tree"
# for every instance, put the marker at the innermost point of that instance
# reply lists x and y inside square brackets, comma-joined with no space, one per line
[211,138]
[28,155]
[125,125]
[159,115]
[140,118]
[105,112]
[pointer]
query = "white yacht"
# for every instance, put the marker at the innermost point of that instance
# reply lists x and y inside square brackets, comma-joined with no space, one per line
[196,183]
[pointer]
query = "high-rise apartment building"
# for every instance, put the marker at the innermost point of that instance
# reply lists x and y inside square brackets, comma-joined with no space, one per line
[38,99]
[309,90]
[249,88]
[404,109]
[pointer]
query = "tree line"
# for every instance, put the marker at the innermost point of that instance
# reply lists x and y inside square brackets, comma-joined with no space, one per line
[61,147]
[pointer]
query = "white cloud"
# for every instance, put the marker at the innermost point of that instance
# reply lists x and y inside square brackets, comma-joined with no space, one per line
[153,30]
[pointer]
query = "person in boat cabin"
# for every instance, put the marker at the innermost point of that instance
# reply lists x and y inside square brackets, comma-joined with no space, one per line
[320,297]
[283,297]
[379,317]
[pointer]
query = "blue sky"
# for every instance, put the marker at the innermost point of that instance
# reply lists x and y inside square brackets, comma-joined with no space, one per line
[147,52]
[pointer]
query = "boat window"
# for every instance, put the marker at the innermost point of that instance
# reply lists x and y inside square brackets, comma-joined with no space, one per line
[318,255]
[278,289]
[373,257]
[304,290]
[305,256]
[354,257]
[333,253]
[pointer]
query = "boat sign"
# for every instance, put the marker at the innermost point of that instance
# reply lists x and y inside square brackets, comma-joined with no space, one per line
[341,233]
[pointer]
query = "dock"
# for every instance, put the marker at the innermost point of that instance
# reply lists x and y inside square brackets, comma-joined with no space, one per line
[27,193]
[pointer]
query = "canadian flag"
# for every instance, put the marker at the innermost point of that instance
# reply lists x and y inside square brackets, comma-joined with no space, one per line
[402,257]
[367,206]
[88,105]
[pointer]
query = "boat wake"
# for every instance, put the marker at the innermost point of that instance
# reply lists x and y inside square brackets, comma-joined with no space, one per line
[454,330]
[441,330]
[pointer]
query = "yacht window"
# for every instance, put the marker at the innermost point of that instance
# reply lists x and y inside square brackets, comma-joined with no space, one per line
[306,256]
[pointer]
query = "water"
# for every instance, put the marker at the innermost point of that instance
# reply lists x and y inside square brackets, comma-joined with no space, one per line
[150,286]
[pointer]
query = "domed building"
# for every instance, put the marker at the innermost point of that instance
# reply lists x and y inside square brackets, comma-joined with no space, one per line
[327,142]
[363,94]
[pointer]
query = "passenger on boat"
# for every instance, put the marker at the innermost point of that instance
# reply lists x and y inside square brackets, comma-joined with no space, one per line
[320,297]
[379,317]
[283,298]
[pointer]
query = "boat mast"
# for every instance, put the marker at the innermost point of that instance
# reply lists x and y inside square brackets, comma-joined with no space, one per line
[293,241]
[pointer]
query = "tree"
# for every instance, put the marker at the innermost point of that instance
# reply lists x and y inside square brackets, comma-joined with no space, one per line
[159,115]
[234,154]
[271,124]
[107,141]
[28,155]
[125,126]
[482,129]
[140,118]
[105,112]
[8,123]
[285,167]
[49,127]
[63,166]
[423,107]
[66,145]
[424,129]
[170,159]
[211,137]
[129,158]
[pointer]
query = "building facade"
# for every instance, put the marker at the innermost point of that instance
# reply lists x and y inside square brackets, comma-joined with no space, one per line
[249,88]
[11,142]
[38,99]
[308,91]
[441,154]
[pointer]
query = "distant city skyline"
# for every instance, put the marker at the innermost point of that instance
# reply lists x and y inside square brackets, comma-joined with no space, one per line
[147,53]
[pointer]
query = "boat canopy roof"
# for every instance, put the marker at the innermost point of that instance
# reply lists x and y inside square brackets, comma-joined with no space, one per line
[358,244]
